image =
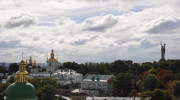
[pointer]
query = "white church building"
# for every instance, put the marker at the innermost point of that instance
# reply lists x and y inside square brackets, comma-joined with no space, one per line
[52,63]
[33,66]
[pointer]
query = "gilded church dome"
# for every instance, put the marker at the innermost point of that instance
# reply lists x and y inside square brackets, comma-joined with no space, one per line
[52,59]
[21,89]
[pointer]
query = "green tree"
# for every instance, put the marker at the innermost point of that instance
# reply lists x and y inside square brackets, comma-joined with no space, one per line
[168,96]
[104,94]
[175,66]
[151,82]
[158,95]
[46,87]
[139,69]
[107,72]
[47,92]
[149,93]
[178,75]
[101,67]
[70,65]
[134,67]
[122,84]
[3,88]
[120,67]
[39,82]
[13,67]
[1,68]
[82,71]
[152,71]
[176,88]
[2,94]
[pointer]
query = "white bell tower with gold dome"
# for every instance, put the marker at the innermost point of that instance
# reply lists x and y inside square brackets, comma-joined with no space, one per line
[52,63]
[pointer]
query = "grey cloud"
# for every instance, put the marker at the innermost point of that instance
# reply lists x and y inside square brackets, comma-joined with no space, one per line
[143,43]
[65,21]
[93,37]
[36,37]
[146,43]
[8,44]
[0,26]
[99,23]
[163,25]
[24,20]
[61,41]
[79,41]
[172,53]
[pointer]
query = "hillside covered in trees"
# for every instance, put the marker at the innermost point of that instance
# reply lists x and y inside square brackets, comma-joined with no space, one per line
[160,80]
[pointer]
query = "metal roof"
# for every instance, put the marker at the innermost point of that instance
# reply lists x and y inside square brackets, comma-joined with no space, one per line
[95,77]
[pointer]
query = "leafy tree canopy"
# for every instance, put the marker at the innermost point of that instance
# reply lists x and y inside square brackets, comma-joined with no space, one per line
[151,82]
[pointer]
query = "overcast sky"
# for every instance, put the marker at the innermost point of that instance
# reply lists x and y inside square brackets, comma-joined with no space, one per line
[89,30]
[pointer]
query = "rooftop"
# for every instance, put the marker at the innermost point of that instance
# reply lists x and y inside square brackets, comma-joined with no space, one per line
[112,98]
[95,77]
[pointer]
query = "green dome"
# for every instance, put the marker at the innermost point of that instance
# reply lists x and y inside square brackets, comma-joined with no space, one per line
[18,91]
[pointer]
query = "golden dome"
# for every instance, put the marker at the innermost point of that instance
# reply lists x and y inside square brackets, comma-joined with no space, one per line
[30,59]
[22,62]
[22,74]
[52,53]
[52,59]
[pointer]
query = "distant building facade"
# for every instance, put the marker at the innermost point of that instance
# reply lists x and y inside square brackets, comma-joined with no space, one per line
[33,66]
[67,76]
[92,84]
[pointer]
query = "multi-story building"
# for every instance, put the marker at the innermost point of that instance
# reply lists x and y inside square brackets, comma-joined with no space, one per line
[93,84]
[67,76]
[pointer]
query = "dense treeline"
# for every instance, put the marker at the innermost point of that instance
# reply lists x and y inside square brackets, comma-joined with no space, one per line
[160,80]
[134,79]
[115,67]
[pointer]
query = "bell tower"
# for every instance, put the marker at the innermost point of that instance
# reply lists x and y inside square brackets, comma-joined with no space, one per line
[51,65]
